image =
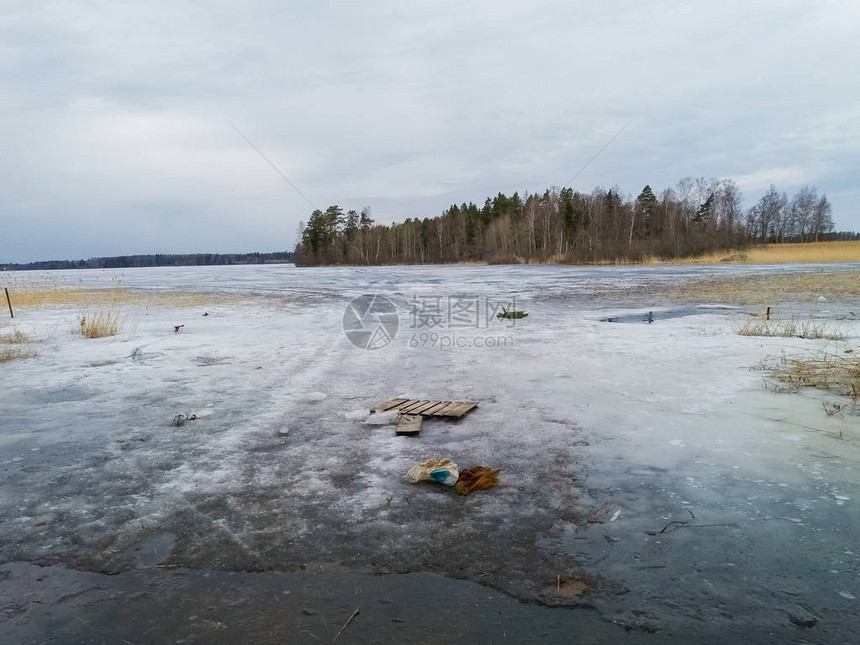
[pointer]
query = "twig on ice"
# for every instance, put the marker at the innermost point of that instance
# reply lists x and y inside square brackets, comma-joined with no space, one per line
[346,624]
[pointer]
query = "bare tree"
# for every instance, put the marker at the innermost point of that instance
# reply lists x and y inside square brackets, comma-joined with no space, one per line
[763,218]
[729,207]
[803,206]
[822,221]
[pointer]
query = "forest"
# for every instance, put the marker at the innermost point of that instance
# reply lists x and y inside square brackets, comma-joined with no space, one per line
[695,216]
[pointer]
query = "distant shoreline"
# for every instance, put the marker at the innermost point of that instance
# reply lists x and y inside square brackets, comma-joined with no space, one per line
[154,260]
[781,253]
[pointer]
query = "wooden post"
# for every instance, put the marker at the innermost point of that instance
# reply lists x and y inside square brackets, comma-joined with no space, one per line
[9,301]
[767,314]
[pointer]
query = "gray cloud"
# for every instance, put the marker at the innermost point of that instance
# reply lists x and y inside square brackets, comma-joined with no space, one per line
[115,116]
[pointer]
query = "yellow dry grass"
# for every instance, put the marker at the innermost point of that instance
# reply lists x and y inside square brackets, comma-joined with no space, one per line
[98,322]
[11,346]
[14,337]
[780,254]
[8,354]
[770,289]
[47,296]
[835,370]
[791,327]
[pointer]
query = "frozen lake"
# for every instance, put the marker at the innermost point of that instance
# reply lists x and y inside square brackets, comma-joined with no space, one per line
[522,280]
[644,462]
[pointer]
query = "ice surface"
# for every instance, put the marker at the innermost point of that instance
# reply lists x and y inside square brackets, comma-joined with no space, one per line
[356,415]
[383,418]
[666,421]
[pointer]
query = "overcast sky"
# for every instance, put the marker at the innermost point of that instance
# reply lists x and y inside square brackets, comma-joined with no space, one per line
[116,117]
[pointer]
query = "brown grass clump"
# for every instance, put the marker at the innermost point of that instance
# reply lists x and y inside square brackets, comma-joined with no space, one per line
[791,327]
[836,371]
[8,354]
[10,346]
[14,337]
[98,322]
[782,253]
[770,289]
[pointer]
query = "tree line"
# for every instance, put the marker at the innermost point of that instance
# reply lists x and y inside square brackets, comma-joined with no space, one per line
[804,218]
[155,260]
[697,215]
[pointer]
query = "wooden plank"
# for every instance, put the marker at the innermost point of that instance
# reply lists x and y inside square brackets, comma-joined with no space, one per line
[409,426]
[456,409]
[410,405]
[441,412]
[465,406]
[426,405]
[429,412]
[425,408]
[390,405]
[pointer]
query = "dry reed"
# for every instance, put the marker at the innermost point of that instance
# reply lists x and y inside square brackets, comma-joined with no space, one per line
[11,346]
[37,297]
[791,327]
[14,337]
[781,253]
[99,322]
[8,354]
[833,370]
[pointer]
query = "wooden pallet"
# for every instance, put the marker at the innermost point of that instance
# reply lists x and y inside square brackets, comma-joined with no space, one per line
[412,411]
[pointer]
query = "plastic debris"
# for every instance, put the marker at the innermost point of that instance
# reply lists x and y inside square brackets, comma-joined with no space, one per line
[316,397]
[447,476]
[383,418]
[477,478]
[443,471]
